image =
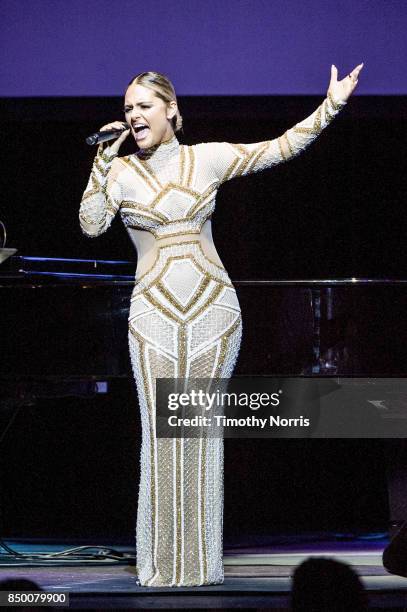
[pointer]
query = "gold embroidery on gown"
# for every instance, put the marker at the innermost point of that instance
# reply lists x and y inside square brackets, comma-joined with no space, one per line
[185,322]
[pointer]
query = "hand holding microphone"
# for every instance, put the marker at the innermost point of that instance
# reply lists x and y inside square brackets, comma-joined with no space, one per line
[118,130]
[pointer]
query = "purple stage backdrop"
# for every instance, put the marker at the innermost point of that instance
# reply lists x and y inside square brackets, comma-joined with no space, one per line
[228,47]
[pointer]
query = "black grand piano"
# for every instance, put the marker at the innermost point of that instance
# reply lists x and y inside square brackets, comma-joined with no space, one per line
[71,314]
[63,333]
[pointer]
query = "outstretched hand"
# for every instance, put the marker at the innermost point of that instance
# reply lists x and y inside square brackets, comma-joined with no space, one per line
[341,90]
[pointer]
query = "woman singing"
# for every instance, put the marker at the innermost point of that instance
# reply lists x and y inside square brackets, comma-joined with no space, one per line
[184,319]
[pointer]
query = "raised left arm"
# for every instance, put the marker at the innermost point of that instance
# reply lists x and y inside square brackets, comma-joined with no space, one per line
[231,160]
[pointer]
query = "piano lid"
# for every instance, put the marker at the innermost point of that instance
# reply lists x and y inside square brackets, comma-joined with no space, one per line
[60,269]
[24,268]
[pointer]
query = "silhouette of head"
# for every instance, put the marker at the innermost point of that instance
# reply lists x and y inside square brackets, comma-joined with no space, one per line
[326,585]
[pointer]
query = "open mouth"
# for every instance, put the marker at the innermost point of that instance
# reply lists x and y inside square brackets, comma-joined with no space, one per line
[140,131]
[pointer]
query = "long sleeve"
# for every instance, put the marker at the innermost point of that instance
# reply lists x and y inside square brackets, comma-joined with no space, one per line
[229,160]
[102,196]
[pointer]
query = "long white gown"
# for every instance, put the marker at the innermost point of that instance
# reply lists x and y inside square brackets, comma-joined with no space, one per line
[185,322]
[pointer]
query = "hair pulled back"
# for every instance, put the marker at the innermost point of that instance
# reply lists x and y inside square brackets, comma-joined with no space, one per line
[163,88]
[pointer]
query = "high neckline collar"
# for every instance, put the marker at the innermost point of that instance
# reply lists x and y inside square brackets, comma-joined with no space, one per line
[162,151]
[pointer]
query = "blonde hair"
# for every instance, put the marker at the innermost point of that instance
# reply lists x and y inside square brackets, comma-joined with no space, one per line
[163,88]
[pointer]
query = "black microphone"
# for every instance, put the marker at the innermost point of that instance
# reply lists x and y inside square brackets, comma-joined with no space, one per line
[105,135]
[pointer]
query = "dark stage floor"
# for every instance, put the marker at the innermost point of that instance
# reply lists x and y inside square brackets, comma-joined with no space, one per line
[255,577]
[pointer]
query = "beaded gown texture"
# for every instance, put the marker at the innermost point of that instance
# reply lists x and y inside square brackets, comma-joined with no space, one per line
[184,322]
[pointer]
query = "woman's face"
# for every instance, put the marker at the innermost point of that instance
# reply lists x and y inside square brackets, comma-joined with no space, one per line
[148,116]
